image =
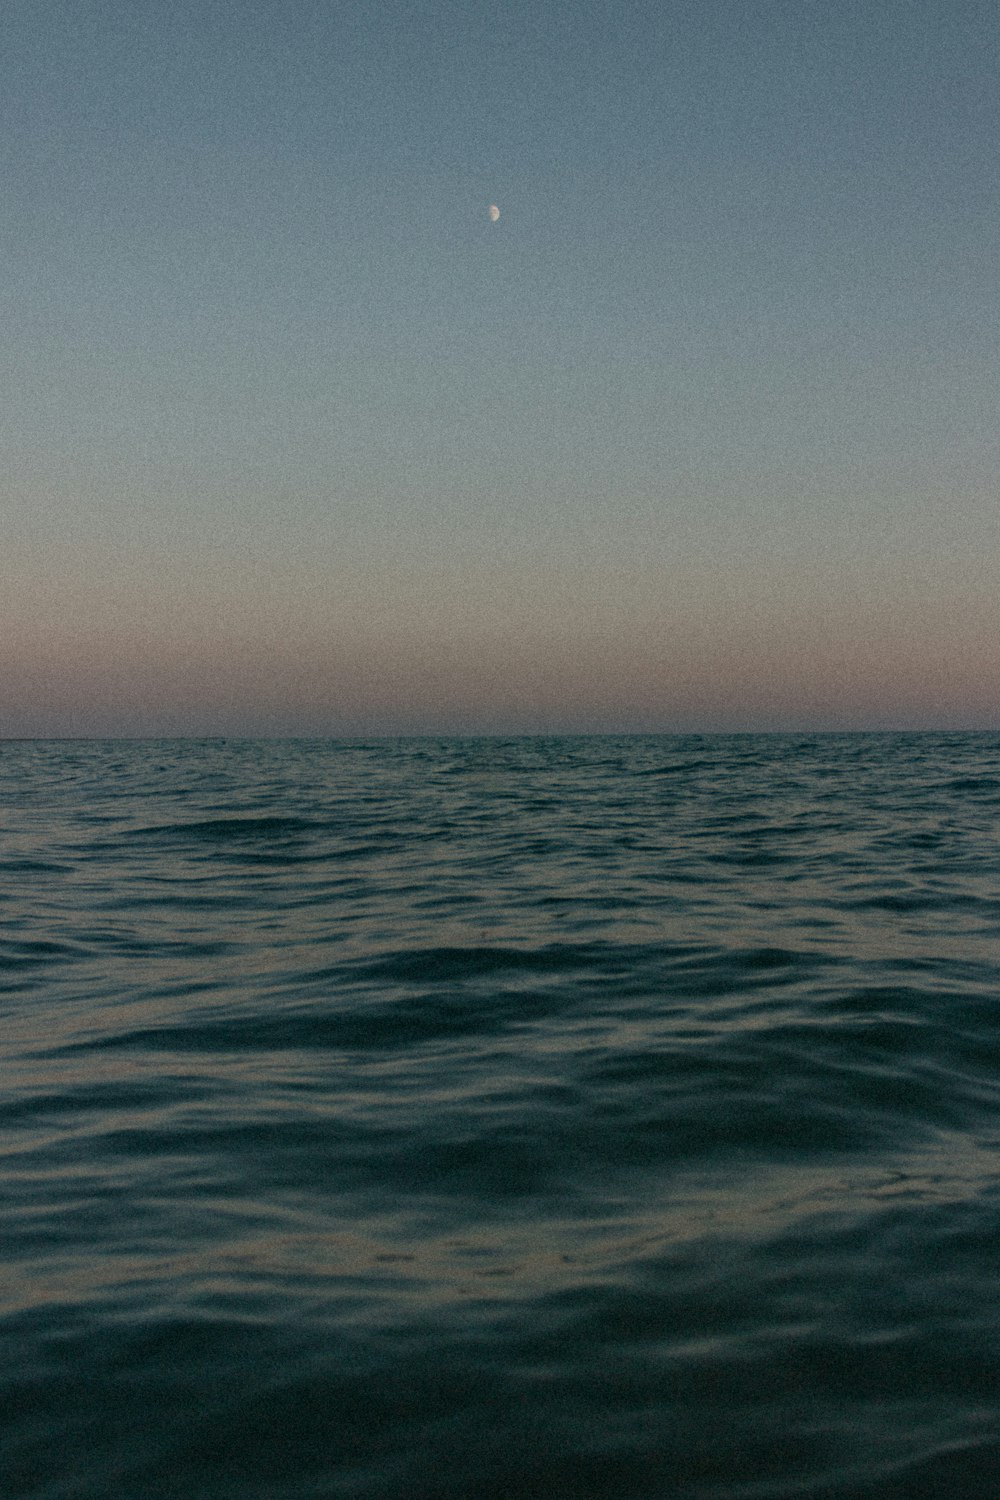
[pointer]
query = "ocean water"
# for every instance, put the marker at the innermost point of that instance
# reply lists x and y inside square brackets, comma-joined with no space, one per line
[544,1117]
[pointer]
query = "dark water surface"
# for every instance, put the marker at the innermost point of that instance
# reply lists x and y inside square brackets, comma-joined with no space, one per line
[500,1118]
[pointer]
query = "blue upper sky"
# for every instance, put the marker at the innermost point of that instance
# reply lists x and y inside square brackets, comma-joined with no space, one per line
[702,432]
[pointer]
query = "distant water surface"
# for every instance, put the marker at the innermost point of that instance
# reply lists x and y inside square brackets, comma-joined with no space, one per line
[530,1119]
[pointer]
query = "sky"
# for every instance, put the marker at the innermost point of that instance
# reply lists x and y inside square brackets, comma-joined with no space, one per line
[703,433]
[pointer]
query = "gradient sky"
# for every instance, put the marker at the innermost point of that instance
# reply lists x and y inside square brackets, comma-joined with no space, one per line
[704,433]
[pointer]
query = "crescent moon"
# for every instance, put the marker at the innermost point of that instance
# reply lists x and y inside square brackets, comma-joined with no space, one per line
[494,212]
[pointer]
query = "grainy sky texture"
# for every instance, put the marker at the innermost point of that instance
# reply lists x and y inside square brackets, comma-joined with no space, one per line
[703,433]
